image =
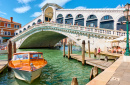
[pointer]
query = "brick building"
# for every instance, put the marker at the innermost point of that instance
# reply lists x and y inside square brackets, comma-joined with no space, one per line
[7,28]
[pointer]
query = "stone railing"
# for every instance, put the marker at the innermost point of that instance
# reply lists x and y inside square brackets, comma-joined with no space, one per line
[76,27]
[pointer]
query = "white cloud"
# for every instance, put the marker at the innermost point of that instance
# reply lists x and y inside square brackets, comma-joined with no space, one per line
[36,14]
[59,2]
[22,9]
[2,13]
[80,7]
[24,1]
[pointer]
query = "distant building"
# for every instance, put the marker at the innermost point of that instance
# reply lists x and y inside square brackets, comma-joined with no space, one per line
[7,28]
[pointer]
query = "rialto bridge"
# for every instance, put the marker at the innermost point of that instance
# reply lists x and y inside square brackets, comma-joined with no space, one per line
[56,23]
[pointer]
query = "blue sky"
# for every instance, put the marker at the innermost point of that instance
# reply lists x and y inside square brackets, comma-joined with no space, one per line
[23,11]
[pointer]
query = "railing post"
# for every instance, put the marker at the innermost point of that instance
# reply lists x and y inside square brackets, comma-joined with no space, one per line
[83,52]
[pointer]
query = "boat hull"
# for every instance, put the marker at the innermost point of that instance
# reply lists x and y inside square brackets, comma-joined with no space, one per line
[27,76]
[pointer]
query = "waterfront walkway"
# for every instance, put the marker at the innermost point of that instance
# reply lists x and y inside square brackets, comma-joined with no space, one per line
[94,62]
[3,65]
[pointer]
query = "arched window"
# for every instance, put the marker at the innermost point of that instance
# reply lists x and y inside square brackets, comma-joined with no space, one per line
[107,22]
[28,26]
[69,19]
[33,23]
[24,29]
[79,20]
[59,19]
[39,21]
[20,31]
[91,21]
[16,33]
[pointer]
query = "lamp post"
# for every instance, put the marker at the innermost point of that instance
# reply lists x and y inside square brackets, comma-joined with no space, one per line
[127,16]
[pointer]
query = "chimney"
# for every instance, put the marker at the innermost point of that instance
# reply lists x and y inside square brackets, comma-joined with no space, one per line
[11,19]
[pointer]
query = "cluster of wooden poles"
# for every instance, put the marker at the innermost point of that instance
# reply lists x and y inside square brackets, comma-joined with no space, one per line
[11,48]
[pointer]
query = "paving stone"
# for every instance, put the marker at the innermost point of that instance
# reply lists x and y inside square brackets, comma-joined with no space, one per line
[124,83]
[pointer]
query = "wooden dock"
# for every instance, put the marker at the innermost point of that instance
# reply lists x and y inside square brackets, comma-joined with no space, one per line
[3,65]
[94,62]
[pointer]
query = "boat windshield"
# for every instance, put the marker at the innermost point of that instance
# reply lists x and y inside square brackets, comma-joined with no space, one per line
[20,57]
[36,56]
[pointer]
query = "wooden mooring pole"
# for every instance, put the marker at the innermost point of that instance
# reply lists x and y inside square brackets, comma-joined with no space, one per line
[68,50]
[14,47]
[9,49]
[83,52]
[63,49]
[71,48]
[89,49]
[74,81]
[95,52]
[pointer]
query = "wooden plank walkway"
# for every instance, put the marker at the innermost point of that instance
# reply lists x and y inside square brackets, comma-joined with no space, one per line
[94,62]
[3,65]
[108,54]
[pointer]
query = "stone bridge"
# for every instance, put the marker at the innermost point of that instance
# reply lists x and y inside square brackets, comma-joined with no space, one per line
[48,34]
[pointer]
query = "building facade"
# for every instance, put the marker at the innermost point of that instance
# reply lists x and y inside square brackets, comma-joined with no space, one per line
[108,18]
[7,28]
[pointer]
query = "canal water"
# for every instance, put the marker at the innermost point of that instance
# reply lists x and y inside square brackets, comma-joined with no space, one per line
[58,71]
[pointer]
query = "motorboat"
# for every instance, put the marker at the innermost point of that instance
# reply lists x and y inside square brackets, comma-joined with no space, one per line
[27,66]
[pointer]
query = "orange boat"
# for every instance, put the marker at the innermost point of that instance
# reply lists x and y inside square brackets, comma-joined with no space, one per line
[27,66]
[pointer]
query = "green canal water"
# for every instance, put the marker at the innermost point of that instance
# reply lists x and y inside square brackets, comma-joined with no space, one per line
[58,71]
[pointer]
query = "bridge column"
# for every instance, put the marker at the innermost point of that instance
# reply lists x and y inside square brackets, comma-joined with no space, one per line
[64,49]
[83,52]
[68,50]
[89,49]
[9,49]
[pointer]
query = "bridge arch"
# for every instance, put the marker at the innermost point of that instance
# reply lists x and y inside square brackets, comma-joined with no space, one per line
[48,14]
[79,20]
[69,19]
[44,39]
[107,22]
[59,18]
[92,21]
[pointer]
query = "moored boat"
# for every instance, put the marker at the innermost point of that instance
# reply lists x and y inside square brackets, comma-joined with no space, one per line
[27,66]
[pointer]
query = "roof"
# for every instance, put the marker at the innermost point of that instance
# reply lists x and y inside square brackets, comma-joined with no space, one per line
[51,4]
[26,52]
[6,20]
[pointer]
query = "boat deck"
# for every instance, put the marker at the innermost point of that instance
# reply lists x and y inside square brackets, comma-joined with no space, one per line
[94,62]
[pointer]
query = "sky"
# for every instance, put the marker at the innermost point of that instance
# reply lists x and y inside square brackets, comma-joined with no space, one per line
[24,11]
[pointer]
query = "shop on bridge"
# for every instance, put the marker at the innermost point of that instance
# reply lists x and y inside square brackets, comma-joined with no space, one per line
[79,20]
[59,19]
[91,21]
[107,22]
[121,24]
[69,19]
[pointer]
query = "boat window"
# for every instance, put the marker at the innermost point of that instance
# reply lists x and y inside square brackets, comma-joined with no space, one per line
[36,56]
[20,57]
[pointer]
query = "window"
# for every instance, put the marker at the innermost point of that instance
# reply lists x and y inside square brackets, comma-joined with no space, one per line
[9,33]
[91,25]
[36,56]
[16,33]
[5,33]
[14,26]
[24,29]
[5,24]
[106,17]
[20,31]
[17,26]
[20,57]
[9,25]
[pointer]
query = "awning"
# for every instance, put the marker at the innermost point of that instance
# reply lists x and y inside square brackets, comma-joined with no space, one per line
[6,37]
